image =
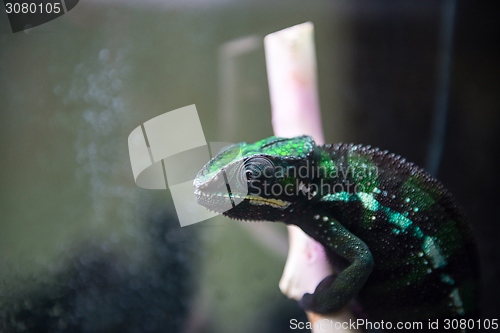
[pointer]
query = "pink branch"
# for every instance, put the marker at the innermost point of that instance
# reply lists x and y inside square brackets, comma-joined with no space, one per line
[291,69]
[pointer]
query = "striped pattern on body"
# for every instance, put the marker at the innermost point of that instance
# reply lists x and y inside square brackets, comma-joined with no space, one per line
[423,250]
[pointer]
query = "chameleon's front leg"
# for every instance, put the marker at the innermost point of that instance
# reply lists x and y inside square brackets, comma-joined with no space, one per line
[334,292]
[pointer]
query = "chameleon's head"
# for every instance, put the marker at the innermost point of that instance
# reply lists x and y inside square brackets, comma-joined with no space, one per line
[255,181]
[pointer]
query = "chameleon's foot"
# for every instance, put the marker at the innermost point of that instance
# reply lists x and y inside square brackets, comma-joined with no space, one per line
[321,301]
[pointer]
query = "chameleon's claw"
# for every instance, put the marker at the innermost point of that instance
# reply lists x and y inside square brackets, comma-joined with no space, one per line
[306,302]
[316,302]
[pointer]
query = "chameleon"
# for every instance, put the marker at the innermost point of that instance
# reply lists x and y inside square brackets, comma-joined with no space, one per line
[398,241]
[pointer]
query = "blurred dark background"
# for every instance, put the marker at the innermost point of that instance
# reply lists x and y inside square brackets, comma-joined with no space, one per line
[82,248]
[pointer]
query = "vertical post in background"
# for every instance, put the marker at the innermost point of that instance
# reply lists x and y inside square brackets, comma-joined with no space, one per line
[438,128]
[291,68]
[293,87]
[229,78]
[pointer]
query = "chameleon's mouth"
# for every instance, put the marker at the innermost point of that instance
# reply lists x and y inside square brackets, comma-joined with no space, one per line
[216,201]
[222,202]
[260,201]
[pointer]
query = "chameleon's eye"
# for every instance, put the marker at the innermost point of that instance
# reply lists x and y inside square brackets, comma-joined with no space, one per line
[249,174]
[253,171]
[257,168]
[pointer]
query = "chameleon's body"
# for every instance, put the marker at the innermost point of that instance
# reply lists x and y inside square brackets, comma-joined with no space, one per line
[403,247]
